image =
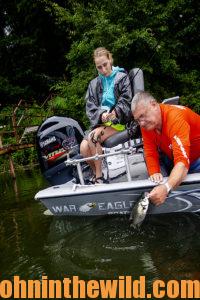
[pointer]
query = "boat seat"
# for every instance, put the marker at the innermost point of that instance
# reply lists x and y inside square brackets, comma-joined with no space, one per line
[121,137]
[137,80]
[133,132]
[173,100]
[116,139]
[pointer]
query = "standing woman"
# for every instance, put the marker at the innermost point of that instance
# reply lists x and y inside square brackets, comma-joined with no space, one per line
[108,98]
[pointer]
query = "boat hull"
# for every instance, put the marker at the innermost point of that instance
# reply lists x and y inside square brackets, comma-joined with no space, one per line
[117,198]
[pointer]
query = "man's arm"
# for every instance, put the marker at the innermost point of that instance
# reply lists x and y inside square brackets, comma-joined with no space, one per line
[179,133]
[151,154]
[160,192]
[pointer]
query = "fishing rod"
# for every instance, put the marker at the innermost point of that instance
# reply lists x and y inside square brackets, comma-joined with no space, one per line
[140,68]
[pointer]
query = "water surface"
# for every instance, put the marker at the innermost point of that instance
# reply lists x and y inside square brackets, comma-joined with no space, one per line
[33,244]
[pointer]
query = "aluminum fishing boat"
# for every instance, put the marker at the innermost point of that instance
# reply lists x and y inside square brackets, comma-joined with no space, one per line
[58,141]
[119,196]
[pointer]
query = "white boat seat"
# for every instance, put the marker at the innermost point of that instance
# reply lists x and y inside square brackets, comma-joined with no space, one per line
[173,100]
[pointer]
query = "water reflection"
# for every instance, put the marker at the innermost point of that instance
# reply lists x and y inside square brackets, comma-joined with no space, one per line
[165,247]
[175,247]
[20,223]
[99,247]
[32,244]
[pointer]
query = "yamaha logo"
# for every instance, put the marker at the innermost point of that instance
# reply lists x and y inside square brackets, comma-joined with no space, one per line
[47,141]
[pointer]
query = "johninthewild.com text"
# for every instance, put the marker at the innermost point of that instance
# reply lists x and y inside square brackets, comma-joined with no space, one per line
[123,287]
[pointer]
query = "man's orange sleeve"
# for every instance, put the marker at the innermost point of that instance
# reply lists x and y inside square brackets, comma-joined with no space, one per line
[180,137]
[151,152]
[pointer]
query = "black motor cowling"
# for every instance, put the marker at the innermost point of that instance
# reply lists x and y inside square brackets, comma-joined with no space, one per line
[58,138]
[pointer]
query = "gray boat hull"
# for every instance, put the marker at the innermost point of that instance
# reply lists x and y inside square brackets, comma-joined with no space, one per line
[117,198]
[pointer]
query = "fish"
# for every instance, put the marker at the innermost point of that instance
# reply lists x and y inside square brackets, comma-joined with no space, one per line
[139,210]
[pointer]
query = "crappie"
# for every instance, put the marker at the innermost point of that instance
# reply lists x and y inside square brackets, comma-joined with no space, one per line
[139,210]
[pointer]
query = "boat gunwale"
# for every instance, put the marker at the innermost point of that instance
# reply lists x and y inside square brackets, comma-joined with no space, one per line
[66,190]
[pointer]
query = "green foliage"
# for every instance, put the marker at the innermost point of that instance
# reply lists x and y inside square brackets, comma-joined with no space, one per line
[71,103]
[160,37]
[32,47]
[22,158]
[26,116]
[48,43]
[6,88]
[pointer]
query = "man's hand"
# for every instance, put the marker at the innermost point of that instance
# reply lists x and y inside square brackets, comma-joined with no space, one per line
[157,177]
[158,194]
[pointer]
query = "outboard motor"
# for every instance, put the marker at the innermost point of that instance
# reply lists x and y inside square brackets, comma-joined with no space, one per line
[58,138]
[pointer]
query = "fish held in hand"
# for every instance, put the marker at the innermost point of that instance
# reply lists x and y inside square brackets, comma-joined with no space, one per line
[139,210]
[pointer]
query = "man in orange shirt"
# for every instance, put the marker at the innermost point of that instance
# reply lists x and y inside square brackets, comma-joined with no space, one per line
[170,129]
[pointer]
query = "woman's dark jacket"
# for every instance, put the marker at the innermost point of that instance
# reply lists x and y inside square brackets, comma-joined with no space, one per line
[123,95]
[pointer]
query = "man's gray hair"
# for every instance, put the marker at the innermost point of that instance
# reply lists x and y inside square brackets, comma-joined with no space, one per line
[146,97]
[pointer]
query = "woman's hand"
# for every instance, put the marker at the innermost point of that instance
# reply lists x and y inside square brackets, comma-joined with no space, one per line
[112,115]
[104,117]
